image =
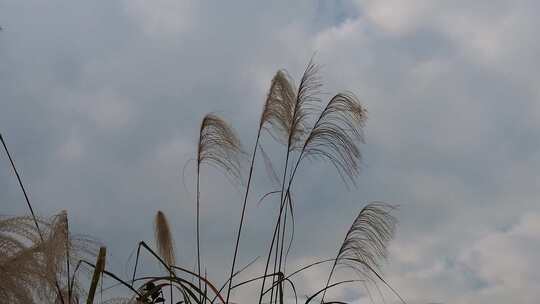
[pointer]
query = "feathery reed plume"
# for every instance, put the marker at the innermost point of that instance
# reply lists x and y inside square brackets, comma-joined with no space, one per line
[61,251]
[32,270]
[219,147]
[36,255]
[21,270]
[304,105]
[164,239]
[336,134]
[334,137]
[307,100]
[276,118]
[277,114]
[366,241]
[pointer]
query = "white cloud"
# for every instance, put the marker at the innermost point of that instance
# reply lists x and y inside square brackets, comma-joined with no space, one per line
[72,149]
[397,16]
[506,261]
[163,17]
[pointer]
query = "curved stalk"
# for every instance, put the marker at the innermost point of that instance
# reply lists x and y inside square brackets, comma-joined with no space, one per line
[243,213]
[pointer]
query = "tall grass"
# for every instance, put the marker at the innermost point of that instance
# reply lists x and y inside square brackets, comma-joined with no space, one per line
[293,116]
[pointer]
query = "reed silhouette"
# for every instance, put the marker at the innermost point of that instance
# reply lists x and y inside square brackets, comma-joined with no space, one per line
[40,260]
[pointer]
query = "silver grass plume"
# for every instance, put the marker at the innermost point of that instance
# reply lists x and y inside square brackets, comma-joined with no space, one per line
[276,118]
[287,108]
[337,133]
[277,114]
[307,100]
[32,270]
[164,239]
[365,244]
[62,251]
[21,268]
[219,146]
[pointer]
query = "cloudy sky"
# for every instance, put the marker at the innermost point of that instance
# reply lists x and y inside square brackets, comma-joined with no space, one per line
[100,102]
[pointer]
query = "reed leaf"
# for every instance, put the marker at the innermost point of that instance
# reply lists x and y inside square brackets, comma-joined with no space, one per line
[100,266]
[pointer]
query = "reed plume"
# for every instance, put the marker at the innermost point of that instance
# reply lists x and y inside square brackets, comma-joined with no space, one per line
[277,114]
[21,269]
[334,137]
[164,239]
[37,256]
[337,133]
[276,118]
[218,147]
[365,244]
[303,107]
[35,271]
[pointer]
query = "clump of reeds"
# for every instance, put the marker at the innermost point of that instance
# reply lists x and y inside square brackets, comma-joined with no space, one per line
[39,258]
[38,268]
[294,117]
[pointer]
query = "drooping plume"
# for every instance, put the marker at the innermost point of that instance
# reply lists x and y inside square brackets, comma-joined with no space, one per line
[219,146]
[277,115]
[164,239]
[337,134]
[307,100]
[365,244]
[369,235]
[276,118]
[287,109]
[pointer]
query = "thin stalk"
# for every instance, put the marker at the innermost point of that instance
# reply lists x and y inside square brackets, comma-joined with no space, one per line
[283,236]
[22,187]
[243,213]
[67,258]
[58,289]
[112,275]
[198,226]
[328,280]
[205,286]
[275,262]
[280,287]
[278,220]
[289,145]
[235,274]
[171,288]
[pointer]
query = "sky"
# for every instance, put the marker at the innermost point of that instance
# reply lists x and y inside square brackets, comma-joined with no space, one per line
[100,104]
